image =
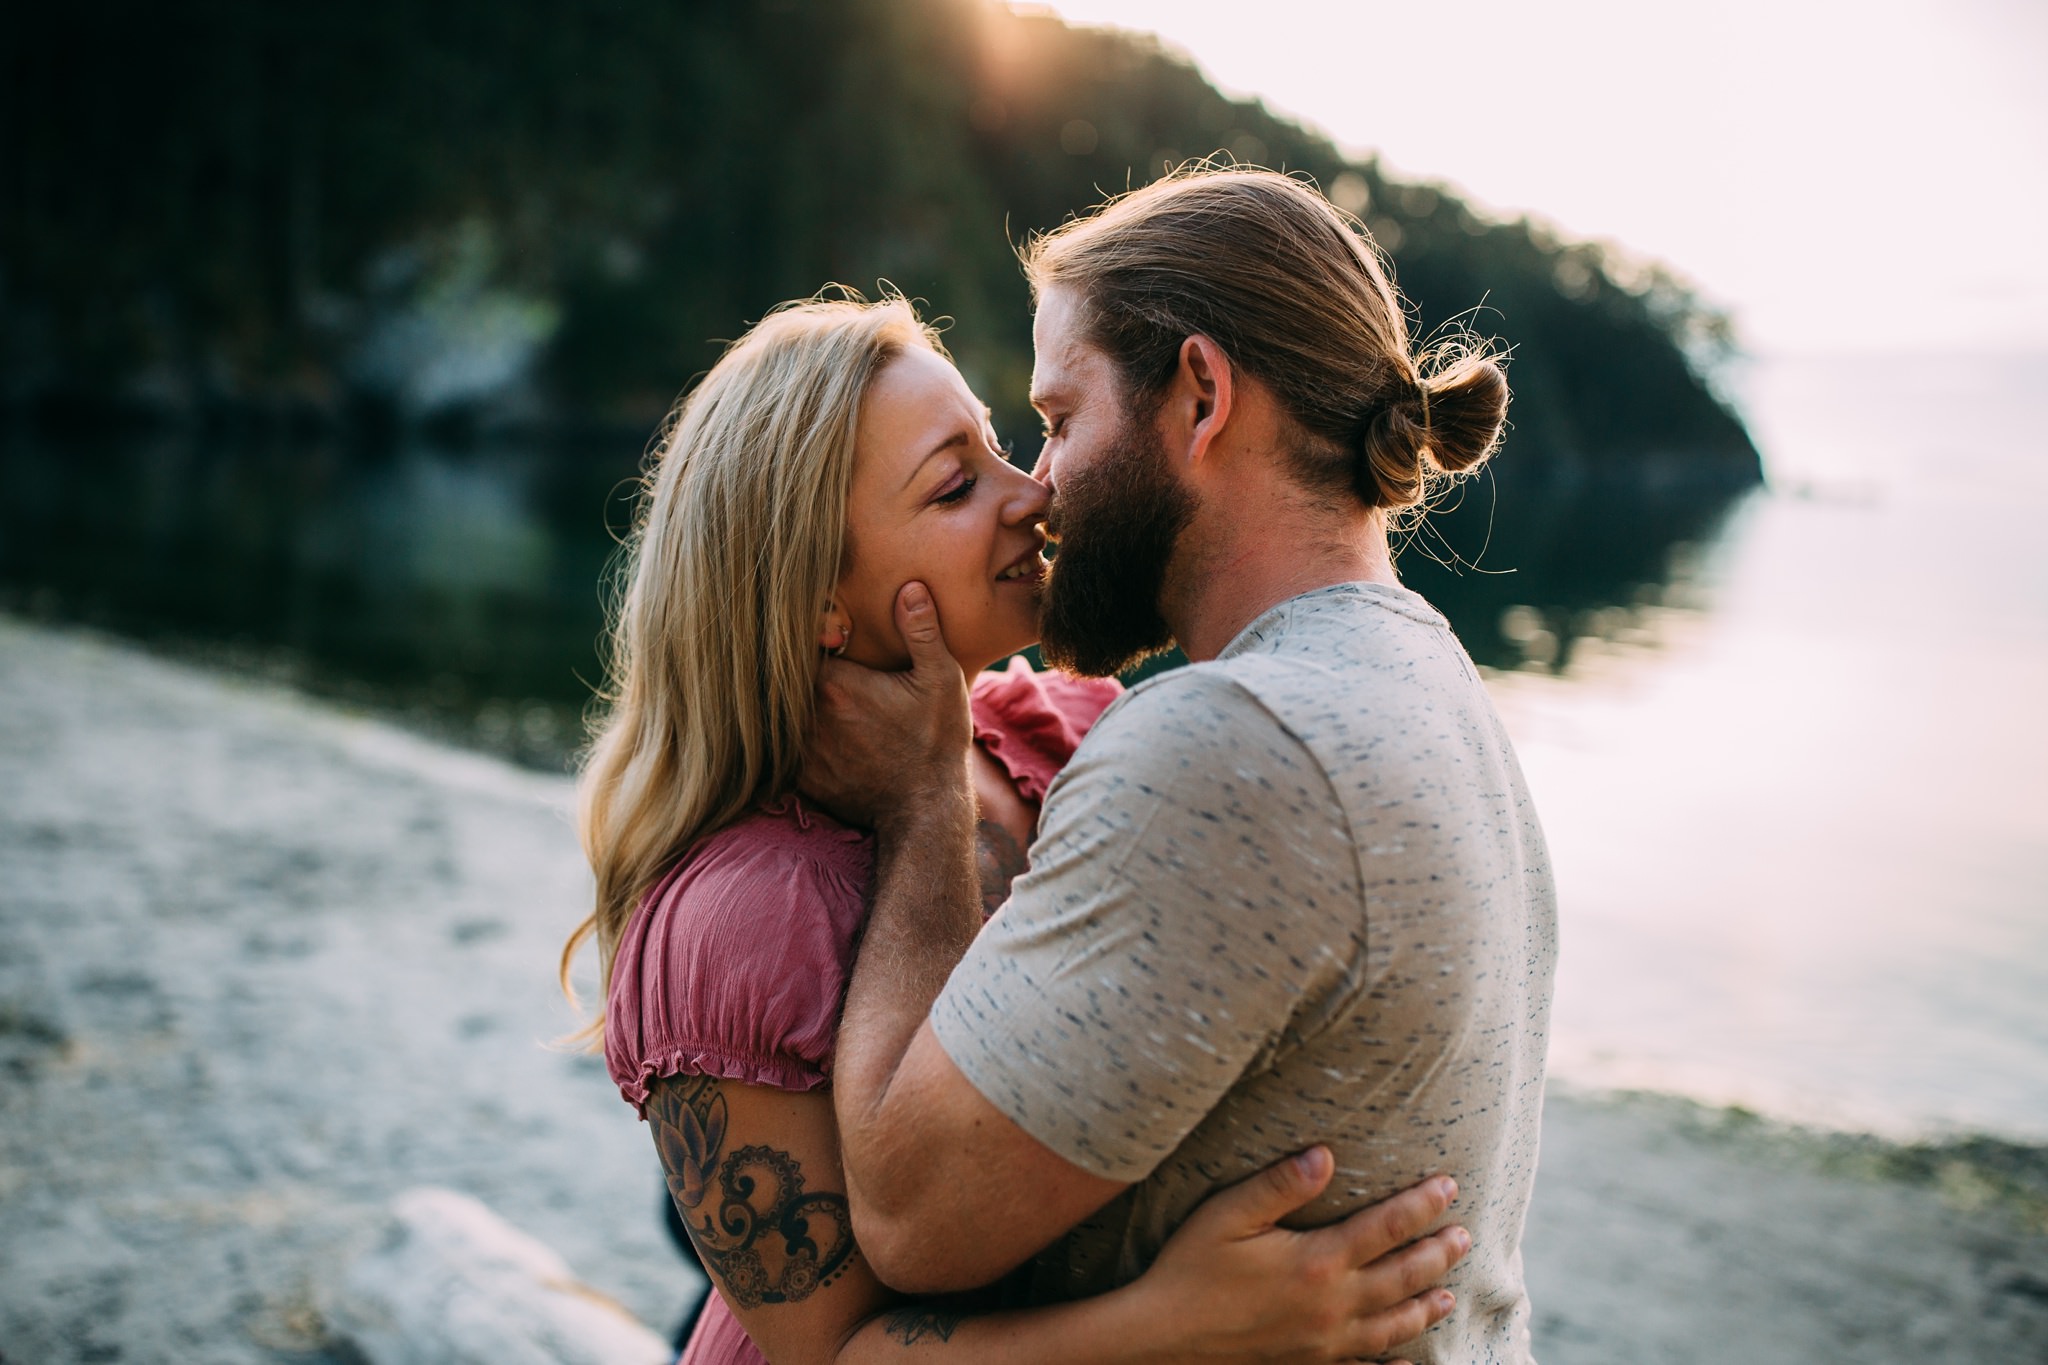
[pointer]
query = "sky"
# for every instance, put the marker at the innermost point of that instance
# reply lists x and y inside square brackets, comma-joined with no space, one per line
[1840,176]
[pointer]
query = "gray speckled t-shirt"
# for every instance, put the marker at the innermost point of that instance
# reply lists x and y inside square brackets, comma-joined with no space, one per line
[1295,894]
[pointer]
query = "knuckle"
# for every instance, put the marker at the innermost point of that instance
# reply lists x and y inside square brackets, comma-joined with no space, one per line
[1396,1323]
[1377,1234]
[1420,1271]
[1409,1212]
[1205,1216]
[1319,1271]
[1377,1335]
[1327,1316]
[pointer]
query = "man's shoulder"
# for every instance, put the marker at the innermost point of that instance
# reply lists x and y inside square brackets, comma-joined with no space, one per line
[1199,744]
[1200,706]
[1250,692]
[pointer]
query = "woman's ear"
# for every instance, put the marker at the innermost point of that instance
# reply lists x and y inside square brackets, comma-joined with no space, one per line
[835,628]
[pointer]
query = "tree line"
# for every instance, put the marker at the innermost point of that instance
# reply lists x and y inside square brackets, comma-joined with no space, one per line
[516,211]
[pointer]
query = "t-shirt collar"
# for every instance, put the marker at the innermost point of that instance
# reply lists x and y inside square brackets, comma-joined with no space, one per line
[1269,622]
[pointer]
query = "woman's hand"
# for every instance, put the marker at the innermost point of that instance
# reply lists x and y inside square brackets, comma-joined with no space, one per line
[1231,1285]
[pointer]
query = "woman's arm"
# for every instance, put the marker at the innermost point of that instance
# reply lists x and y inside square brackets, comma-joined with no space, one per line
[1004,825]
[755,1174]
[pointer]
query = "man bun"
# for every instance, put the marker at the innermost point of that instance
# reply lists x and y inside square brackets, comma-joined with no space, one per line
[1449,422]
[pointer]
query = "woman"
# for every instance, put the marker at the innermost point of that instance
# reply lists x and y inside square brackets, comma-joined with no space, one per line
[833,454]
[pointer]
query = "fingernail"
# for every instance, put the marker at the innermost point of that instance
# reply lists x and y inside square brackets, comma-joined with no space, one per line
[1310,1163]
[1462,1238]
[1447,1189]
[916,597]
[1444,1301]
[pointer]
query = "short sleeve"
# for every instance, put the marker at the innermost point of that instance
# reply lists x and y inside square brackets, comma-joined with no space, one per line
[1193,900]
[1032,721]
[734,966]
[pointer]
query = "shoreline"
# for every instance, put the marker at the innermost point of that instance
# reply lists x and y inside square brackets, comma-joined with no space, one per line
[264,964]
[1972,1172]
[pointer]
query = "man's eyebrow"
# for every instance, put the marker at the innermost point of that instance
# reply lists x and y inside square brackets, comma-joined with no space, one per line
[958,438]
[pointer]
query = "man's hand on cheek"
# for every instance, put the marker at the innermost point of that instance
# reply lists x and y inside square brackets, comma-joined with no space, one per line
[885,742]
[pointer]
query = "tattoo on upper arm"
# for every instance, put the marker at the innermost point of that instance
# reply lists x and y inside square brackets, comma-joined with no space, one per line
[921,1322]
[998,860]
[747,1211]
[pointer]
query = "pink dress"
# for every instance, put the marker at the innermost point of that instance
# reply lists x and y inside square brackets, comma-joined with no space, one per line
[735,964]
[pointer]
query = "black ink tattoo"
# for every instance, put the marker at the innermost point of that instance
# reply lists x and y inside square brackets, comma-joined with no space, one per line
[921,1322]
[766,1239]
[999,861]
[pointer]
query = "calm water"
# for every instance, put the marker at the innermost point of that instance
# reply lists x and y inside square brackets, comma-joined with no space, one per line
[1790,748]
[1803,837]
[461,586]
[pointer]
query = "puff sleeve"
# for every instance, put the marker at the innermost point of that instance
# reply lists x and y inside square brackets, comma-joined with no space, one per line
[735,964]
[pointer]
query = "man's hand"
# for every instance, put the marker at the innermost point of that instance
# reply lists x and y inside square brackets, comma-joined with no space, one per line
[1231,1284]
[885,742]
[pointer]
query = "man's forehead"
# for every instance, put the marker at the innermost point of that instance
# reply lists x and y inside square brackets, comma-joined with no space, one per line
[1057,345]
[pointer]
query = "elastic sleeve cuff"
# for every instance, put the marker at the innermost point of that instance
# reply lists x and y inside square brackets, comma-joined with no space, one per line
[777,1073]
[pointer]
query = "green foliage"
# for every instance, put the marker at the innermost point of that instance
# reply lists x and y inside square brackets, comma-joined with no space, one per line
[231,199]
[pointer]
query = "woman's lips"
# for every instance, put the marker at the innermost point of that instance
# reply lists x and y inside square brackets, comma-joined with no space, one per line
[1028,567]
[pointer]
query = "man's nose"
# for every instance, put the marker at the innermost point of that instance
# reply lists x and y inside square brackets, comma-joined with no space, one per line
[1027,499]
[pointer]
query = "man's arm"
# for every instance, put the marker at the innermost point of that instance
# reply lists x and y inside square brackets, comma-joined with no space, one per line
[947,1191]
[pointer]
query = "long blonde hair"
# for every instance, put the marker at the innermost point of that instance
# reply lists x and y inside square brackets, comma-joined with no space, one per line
[713,653]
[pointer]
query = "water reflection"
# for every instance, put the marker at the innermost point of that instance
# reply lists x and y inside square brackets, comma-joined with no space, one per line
[1532,570]
[460,586]
[457,585]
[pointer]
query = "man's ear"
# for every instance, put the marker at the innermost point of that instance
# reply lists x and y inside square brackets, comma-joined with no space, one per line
[1198,399]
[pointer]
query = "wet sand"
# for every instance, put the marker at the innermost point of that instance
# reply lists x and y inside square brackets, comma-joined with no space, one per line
[265,964]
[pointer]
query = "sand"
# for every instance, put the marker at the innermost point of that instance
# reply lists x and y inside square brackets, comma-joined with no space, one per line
[264,964]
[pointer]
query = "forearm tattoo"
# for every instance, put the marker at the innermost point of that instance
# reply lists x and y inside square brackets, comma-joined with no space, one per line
[921,1322]
[998,860]
[767,1240]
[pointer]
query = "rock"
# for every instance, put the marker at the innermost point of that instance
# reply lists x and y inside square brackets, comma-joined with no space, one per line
[451,1283]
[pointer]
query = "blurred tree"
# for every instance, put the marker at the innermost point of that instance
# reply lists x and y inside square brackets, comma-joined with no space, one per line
[522,210]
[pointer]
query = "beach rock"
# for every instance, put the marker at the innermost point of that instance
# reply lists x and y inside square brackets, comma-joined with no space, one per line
[451,1283]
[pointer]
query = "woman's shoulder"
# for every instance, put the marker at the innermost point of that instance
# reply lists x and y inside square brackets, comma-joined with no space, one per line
[780,837]
[735,962]
[1031,721]
[783,877]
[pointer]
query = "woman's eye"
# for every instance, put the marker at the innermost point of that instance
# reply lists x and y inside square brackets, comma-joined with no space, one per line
[959,491]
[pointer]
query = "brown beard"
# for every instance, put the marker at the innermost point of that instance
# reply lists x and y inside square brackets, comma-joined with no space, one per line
[1118,521]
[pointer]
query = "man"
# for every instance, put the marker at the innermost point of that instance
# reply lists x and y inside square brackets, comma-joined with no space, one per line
[1295,892]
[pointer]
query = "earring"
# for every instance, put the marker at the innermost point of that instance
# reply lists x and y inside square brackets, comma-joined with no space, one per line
[842,637]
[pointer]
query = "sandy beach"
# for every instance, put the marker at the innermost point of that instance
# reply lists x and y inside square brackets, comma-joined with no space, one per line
[265,964]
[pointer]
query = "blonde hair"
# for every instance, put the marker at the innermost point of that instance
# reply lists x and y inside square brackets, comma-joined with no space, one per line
[1292,289]
[713,650]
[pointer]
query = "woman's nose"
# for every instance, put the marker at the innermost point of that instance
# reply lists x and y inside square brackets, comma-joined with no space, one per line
[1028,499]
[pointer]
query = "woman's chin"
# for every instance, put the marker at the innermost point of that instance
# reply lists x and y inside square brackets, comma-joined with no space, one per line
[990,653]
